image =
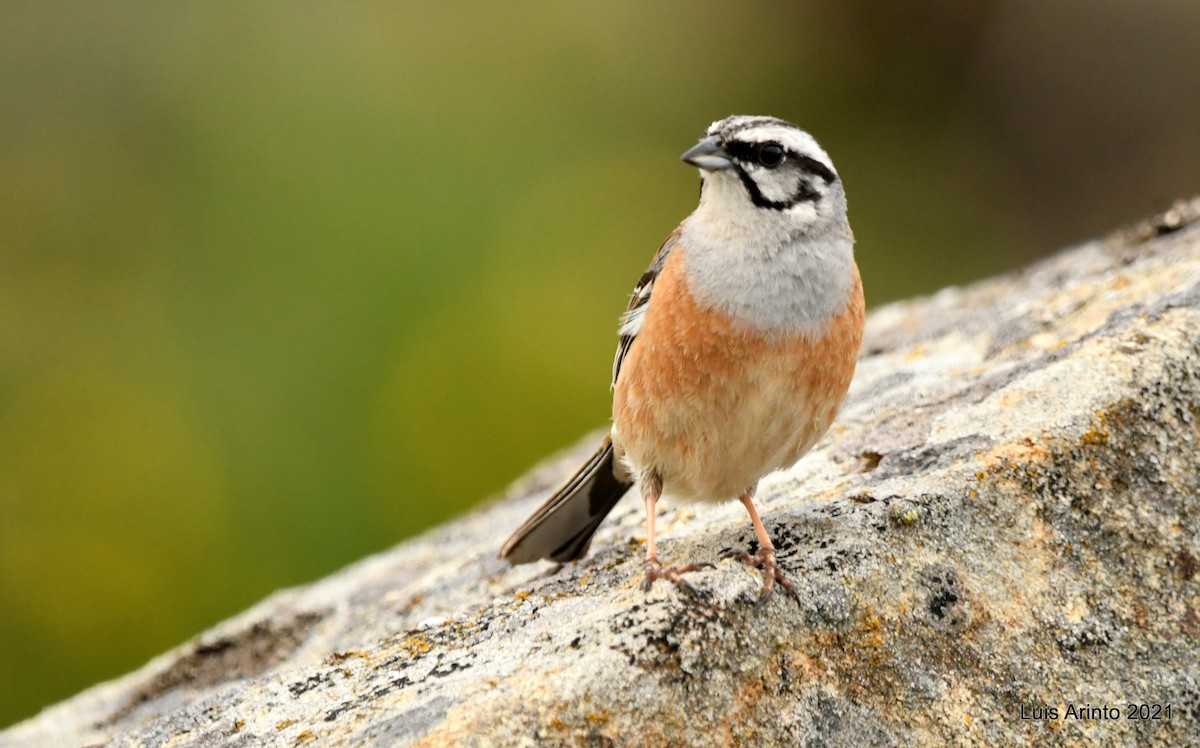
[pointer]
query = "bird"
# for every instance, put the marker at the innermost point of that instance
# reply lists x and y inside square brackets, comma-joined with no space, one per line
[735,352]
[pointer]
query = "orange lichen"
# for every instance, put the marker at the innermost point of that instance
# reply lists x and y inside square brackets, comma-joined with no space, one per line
[598,718]
[416,644]
[340,657]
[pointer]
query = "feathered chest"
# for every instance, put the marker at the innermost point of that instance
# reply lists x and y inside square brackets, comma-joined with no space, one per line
[696,378]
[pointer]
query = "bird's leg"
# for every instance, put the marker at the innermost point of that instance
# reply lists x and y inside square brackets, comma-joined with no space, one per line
[651,490]
[765,557]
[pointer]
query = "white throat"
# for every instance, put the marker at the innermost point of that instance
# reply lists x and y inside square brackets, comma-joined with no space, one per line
[785,271]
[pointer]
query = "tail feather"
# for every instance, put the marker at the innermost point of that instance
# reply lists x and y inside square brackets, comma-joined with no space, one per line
[562,528]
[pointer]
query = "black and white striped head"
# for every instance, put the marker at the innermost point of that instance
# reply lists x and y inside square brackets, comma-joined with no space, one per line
[760,169]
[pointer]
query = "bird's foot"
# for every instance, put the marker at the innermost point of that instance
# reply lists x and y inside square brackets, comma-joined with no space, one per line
[673,574]
[765,559]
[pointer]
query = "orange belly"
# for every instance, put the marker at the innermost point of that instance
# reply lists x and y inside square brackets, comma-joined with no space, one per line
[711,406]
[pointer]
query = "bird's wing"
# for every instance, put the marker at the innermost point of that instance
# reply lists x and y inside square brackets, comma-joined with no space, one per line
[562,528]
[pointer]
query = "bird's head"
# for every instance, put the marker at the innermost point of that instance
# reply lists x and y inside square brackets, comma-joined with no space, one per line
[768,173]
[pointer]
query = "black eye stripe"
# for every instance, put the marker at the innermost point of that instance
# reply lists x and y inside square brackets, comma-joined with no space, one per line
[815,166]
[743,152]
[747,153]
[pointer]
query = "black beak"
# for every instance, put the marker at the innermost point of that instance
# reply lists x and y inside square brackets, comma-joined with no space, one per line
[709,154]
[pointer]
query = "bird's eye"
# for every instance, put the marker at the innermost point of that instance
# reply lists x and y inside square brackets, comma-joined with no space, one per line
[770,155]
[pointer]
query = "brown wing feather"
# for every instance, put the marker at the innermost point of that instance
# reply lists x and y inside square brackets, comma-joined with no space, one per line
[561,529]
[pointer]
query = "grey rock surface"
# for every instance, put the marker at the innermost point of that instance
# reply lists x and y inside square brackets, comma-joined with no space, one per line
[1001,523]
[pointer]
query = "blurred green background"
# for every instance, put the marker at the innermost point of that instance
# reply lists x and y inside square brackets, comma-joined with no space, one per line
[282,284]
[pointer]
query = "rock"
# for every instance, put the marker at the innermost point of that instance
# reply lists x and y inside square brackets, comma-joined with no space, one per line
[999,531]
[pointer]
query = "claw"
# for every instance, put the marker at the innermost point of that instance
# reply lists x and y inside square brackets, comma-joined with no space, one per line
[673,574]
[765,559]
[735,553]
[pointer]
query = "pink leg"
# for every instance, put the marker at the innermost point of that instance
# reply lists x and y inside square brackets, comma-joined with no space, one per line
[765,557]
[650,498]
[651,490]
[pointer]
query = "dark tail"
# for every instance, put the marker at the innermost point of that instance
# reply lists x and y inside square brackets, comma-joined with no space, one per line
[562,528]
